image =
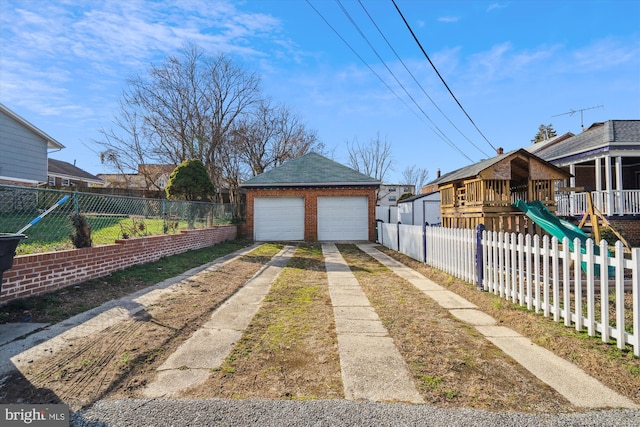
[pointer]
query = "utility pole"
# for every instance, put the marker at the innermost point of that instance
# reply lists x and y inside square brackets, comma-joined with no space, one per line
[572,112]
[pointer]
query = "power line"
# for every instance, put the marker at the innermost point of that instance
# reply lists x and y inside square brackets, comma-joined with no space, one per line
[438,73]
[378,76]
[442,134]
[360,58]
[416,80]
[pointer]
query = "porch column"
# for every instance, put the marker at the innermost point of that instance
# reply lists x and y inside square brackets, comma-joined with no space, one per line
[572,195]
[609,194]
[619,192]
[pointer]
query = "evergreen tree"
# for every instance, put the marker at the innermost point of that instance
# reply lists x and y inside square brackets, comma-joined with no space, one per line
[190,181]
[544,133]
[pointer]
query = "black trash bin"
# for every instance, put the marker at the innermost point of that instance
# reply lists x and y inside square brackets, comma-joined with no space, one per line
[8,245]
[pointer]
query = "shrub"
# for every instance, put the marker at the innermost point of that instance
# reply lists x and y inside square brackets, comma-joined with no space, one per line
[81,236]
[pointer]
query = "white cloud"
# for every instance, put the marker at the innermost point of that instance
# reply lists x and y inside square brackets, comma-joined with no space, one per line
[494,6]
[76,44]
[448,19]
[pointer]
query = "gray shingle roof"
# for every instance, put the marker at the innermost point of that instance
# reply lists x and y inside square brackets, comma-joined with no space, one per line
[309,170]
[475,169]
[610,134]
[60,168]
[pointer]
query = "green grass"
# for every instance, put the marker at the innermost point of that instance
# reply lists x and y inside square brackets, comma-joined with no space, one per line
[53,231]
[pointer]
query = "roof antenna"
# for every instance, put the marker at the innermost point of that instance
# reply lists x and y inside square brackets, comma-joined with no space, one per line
[572,112]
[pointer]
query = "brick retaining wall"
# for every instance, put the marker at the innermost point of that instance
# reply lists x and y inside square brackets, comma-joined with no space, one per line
[41,273]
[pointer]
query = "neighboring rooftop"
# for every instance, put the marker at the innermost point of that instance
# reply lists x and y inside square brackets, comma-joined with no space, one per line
[612,134]
[67,170]
[311,169]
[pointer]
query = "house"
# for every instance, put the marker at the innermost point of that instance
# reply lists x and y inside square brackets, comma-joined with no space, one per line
[63,174]
[149,177]
[24,150]
[484,193]
[423,209]
[311,198]
[390,194]
[603,160]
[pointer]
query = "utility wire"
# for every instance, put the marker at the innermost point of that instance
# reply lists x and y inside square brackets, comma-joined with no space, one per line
[361,59]
[416,80]
[377,75]
[442,134]
[438,73]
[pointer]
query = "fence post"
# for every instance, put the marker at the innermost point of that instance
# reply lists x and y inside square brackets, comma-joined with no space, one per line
[424,242]
[398,229]
[479,256]
[76,203]
[165,224]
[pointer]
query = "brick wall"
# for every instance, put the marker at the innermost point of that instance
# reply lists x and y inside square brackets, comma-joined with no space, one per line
[40,273]
[311,205]
[629,228]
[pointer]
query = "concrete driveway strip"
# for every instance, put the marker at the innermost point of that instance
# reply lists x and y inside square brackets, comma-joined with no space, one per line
[570,381]
[372,367]
[207,348]
[53,338]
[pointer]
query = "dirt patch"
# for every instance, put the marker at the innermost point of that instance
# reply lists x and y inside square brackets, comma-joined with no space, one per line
[121,358]
[615,368]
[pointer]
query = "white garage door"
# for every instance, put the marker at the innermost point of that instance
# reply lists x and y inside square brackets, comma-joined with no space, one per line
[278,218]
[343,218]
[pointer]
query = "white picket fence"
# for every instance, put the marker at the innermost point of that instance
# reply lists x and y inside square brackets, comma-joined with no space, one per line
[541,274]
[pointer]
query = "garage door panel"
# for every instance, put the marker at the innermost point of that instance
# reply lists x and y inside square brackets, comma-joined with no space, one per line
[343,218]
[278,218]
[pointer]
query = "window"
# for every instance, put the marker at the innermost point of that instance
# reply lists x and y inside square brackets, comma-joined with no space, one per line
[392,189]
[52,181]
[66,183]
[392,198]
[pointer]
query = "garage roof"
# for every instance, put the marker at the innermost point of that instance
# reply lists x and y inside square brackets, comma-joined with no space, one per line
[311,170]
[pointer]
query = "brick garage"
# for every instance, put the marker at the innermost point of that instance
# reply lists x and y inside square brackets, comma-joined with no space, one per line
[311,198]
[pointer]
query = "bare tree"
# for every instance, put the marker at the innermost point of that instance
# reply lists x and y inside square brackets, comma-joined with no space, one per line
[183,109]
[413,175]
[272,136]
[373,159]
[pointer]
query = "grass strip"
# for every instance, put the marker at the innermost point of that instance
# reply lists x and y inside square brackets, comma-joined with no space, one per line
[618,369]
[452,364]
[289,350]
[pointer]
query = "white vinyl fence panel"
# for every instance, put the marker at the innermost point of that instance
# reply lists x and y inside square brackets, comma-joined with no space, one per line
[411,241]
[576,287]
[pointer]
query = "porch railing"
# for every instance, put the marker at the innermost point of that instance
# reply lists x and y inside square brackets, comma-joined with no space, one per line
[625,202]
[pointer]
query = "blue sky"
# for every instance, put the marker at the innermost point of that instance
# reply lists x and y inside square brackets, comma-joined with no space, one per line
[512,65]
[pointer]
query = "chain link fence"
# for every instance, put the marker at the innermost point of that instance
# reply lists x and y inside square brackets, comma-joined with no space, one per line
[108,217]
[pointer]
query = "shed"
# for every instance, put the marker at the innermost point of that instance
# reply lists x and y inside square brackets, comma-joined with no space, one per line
[420,210]
[484,193]
[311,198]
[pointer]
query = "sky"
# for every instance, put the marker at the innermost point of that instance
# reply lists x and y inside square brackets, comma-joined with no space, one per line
[481,75]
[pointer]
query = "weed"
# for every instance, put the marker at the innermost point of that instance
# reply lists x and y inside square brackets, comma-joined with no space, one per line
[125,358]
[451,394]
[432,382]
